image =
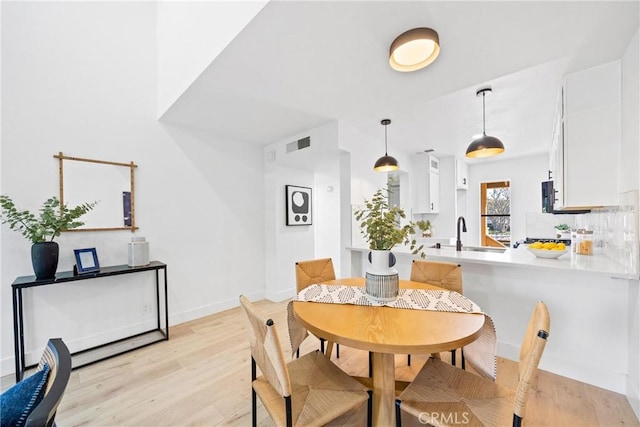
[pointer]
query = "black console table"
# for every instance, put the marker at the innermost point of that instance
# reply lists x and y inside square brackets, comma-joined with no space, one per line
[103,351]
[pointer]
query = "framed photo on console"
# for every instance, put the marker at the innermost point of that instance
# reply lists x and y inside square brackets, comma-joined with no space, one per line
[86,260]
[298,205]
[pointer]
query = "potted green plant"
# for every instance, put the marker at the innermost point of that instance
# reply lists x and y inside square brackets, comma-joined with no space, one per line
[425,227]
[41,229]
[563,231]
[379,225]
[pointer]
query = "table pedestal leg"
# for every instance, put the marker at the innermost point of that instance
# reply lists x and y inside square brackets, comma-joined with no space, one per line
[329,349]
[383,389]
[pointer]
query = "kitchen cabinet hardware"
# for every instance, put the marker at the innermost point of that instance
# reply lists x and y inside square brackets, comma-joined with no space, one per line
[462,174]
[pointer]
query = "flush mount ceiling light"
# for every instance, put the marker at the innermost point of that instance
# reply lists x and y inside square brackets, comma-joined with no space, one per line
[484,146]
[414,49]
[386,163]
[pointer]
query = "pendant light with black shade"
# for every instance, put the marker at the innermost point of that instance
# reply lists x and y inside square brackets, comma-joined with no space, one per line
[484,146]
[386,163]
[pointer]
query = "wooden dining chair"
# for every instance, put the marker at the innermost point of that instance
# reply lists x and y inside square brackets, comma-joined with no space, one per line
[481,354]
[442,394]
[311,272]
[446,275]
[308,391]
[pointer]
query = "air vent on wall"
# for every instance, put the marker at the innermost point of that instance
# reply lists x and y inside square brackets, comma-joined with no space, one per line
[299,144]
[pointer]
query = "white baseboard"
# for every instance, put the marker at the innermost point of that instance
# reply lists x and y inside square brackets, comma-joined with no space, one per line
[598,375]
[633,396]
[206,310]
[7,365]
[280,296]
[33,356]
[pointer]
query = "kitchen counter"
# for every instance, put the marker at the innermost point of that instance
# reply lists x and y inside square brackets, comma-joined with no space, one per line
[521,257]
[588,299]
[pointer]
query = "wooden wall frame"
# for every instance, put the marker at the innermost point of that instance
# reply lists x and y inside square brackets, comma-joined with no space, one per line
[131,165]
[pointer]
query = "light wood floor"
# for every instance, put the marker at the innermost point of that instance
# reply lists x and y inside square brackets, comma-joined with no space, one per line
[201,377]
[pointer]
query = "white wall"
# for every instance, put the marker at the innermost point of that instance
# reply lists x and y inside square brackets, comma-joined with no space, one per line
[285,244]
[318,167]
[525,175]
[80,77]
[190,36]
[345,215]
[328,211]
[629,180]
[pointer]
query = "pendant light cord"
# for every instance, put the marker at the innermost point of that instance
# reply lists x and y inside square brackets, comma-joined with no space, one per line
[483,119]
[385,140]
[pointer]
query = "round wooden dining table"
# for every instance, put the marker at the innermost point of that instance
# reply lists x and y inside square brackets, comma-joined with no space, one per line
[386,331]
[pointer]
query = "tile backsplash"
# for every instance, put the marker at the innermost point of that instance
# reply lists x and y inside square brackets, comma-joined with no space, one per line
[615,230]
[542,225]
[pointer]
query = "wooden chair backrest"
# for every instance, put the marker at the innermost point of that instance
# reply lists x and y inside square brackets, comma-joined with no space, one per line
[447,275]
[481,353]
[266,349]
[531,351]
[313,271]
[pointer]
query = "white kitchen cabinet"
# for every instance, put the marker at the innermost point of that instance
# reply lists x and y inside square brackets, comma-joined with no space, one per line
[434,193]
[586,143]
[591,147]
[462,174]
[425,184]
[556,160]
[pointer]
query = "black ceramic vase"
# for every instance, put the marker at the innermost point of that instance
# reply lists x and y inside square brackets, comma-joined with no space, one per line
[44,257]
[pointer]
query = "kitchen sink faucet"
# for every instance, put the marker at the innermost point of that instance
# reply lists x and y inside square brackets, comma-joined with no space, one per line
[464,229]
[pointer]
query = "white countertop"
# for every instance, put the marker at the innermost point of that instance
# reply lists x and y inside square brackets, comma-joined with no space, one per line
[521,257]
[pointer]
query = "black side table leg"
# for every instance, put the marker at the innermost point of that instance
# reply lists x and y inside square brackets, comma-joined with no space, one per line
[18,334]
[166,303]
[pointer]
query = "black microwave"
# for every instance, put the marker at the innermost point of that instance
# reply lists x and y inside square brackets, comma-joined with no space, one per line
[549,197]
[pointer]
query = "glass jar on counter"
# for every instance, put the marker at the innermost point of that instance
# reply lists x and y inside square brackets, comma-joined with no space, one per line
[583,242]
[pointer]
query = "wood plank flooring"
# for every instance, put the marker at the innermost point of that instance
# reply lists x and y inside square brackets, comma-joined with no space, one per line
[201,377]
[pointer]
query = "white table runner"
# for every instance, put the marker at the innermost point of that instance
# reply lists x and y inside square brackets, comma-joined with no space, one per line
[417,299]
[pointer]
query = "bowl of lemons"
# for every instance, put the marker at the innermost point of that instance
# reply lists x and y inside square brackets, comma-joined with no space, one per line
[547,249]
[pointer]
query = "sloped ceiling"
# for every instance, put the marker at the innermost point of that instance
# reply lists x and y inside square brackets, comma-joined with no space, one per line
[301,64]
